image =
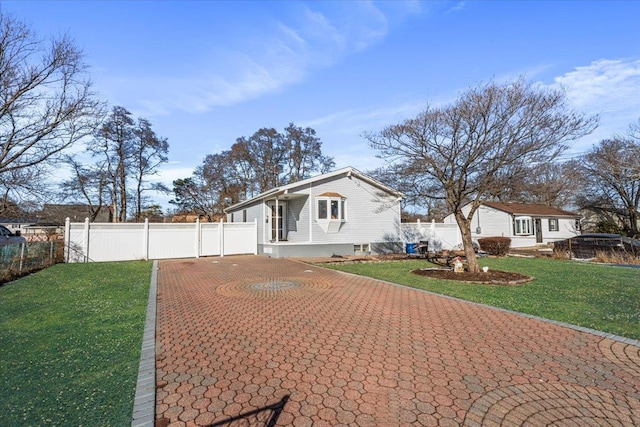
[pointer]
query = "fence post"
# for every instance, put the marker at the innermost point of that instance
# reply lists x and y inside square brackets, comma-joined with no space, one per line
[255,233]
[145,239]
[86,239]
[198,234]
[221,237]
[67,239]
[22,245]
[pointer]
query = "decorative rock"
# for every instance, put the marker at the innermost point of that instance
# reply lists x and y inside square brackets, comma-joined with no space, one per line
[457,266]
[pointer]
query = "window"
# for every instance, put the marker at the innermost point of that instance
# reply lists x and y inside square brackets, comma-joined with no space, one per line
[233,217]
[322,209]
[332,207]
[244,215]
[522,226]
[361,248]
[553,224]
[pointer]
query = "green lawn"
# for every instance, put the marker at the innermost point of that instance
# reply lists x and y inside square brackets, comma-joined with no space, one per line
[70,340]
[600,297]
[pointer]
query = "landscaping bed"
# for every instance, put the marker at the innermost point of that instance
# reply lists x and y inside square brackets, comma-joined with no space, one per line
[490,277]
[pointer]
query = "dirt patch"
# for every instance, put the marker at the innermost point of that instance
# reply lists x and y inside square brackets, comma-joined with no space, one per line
[491,277]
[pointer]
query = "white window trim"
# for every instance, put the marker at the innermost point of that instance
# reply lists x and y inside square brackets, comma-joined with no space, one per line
[342,209]
[523,226]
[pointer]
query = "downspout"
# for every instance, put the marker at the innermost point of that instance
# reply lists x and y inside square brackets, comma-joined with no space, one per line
[265,223]
[311,212]
[277,224]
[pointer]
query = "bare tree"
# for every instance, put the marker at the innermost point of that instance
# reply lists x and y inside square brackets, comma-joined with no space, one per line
[113,146]
[417,192]
[253,165]
[610,179]
[126,154]
[471,150]
[46,101]
[261,157]
[269,158]
[551,184]
[212,187]
[89,183]
[149,152]
[304,156]
[23,189]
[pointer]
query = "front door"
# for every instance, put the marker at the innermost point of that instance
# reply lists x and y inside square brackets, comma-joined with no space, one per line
[538,230]
[277,221]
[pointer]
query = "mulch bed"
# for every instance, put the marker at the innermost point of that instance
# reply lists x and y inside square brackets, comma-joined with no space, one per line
[491,277]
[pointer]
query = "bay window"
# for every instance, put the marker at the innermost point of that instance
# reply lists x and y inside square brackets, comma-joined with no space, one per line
[331,211]
[523,226]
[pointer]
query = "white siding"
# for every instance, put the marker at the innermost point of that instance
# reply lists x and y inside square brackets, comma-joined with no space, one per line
[372,215]
[494,222]
[298,219]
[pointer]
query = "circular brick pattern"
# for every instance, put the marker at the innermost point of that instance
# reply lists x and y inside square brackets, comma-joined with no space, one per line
[276,285]
[553,404]
[272,288]
[625,356]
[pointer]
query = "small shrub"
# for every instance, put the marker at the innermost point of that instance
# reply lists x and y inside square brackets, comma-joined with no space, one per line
[498,246]
[561,253]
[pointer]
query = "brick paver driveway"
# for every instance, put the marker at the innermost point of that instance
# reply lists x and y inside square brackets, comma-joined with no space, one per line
[258,341]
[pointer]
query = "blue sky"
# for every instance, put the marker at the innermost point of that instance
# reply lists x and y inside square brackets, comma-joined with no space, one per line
[206,73]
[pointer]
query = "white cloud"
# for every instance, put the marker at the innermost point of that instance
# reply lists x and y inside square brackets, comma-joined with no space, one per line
[172,171]
[458,6]
[358,121]
[611,84]
[608,87]
[284,54]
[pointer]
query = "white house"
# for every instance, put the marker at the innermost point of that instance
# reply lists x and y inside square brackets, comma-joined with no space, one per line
[526,224]
[338,213]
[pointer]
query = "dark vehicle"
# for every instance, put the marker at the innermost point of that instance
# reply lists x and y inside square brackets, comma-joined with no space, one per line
[589,245]
[9,238]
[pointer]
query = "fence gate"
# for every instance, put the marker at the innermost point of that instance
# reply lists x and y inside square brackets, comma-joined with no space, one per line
[85,242]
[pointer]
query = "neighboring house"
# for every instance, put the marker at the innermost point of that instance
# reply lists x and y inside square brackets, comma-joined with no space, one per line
[339,213]
[593,218]
[525,224]
[190,217]
[17,224]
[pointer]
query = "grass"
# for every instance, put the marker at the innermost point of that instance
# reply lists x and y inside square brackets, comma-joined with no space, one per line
[601,297]
[70,340]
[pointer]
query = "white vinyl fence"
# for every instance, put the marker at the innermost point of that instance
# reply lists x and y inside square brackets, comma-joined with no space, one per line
[87,242]
[439,235]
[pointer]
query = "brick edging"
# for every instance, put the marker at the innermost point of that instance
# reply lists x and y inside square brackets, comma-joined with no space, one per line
[144,402]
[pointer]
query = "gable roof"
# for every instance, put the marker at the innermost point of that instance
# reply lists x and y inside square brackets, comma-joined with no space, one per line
[529,209]
[348,171]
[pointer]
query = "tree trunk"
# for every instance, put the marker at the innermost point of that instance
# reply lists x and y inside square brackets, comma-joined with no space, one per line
[633,220]
[465,229]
